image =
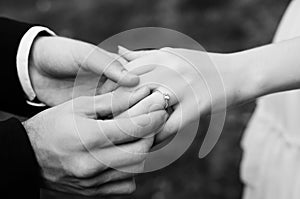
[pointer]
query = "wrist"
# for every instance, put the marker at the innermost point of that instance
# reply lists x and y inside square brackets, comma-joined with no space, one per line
[30,127]
[253,76]
[234,78]
[30,133]
[241,79]
[36,59]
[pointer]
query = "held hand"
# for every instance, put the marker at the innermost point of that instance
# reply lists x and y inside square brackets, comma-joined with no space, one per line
[76,151]
[194,83]
[55,62]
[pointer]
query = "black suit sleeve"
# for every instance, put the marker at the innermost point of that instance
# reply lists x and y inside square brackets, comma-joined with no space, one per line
[13,98]
[19,169]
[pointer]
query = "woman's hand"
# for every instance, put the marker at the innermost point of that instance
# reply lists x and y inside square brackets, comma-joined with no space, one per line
[197,82]
[80,153]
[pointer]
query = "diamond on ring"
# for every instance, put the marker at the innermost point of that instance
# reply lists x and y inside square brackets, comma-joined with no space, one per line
[166,98]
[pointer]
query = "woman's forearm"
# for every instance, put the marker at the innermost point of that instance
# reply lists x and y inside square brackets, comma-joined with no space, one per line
[231,78]
[272,68]
[249,74]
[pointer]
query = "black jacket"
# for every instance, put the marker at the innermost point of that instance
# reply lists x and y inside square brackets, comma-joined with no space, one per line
[19,170]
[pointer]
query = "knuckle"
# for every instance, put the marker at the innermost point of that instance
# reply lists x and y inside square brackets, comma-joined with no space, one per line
[80,168]
[87,166]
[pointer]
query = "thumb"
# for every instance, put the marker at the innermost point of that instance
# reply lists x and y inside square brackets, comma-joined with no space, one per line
[130,55]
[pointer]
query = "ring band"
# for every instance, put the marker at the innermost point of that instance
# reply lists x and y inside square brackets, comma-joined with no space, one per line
[166,98]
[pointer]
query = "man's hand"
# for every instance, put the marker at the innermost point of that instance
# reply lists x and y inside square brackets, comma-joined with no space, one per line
[55,63]
[76,150]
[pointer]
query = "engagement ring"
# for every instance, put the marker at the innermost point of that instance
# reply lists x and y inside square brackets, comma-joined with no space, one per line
[166,98]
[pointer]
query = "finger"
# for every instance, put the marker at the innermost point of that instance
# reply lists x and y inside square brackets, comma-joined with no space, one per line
[132,55]
[110,175]
[153,102]
[119,58]
[96,134]
[128,129]
[127,186]
[164,92]
[111,163]
[156,102]
[119,100]
[108,86]
[115,157]
[117,188]
[171,127]
[180,118]
[110,67]
[124,155]
[110,103]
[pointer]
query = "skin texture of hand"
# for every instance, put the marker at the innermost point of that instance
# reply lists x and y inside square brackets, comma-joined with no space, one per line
[76,149]
[55,63]
[244,76]
[196,81]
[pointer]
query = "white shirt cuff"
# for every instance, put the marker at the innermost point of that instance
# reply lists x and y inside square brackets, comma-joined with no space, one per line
[23,60]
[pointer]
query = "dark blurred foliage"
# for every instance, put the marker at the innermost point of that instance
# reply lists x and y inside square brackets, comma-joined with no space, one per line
[218,25]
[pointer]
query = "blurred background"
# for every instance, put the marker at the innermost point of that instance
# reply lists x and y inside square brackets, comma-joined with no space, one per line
[218,25]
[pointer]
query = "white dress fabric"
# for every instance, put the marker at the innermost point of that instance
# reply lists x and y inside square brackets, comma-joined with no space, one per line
[271,162]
